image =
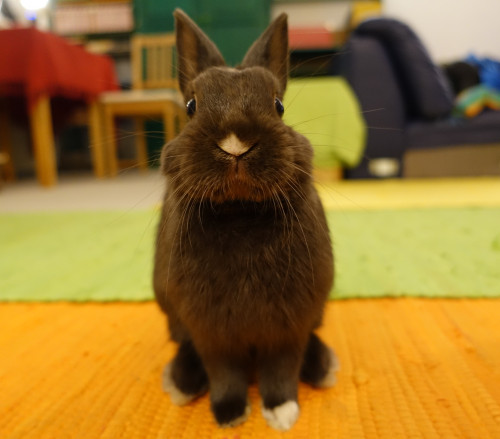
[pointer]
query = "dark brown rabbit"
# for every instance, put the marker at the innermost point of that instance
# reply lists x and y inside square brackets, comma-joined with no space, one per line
[243,260]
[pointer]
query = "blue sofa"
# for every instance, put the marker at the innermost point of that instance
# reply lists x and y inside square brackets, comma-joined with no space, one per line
[407,105]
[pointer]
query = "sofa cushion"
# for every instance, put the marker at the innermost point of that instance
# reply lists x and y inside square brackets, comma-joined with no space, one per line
[369,71]
[424,82]
[482,129]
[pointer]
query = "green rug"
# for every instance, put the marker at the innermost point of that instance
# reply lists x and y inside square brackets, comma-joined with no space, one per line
[107,256]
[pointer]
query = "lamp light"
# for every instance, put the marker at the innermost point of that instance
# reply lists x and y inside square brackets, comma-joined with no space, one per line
[34,5]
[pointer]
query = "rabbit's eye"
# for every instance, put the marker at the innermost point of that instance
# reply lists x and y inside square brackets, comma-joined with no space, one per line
[191,107]
[279,106]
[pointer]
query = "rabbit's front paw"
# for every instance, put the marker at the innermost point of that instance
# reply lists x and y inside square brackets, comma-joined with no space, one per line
[231,412]
[282,417]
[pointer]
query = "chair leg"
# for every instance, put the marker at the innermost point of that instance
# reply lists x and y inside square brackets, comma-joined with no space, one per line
[97,147]
[110,141]
[6,144]
[140,143]
[168,121]
[43,141]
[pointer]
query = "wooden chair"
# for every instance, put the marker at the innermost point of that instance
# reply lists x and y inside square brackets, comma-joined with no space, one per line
[7,172]
[154,93]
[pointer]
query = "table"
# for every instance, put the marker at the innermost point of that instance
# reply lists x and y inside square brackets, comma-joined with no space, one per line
[39,66]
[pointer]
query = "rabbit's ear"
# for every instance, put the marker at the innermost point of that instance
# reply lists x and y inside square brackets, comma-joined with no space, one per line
[195,51]
[271,50]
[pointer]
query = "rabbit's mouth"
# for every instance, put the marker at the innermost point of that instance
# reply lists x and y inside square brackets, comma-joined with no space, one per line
[238,169]
[239,182]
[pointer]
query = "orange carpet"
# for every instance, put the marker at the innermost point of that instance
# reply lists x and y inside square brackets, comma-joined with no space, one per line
[410,368]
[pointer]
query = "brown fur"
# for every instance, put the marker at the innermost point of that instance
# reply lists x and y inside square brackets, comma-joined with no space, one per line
[243,259]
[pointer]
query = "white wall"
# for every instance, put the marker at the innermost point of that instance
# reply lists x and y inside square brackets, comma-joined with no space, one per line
[334,15]
[451,29]
[19,13]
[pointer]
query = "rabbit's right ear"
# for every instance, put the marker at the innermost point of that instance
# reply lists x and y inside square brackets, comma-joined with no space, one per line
[195,51]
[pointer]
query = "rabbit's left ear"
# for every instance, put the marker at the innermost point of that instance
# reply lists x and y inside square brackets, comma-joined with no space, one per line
[271,50]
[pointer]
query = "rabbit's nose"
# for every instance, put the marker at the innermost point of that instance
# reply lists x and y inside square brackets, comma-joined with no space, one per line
[233,145]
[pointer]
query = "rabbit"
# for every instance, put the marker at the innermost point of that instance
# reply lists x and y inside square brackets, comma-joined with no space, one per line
[243,261]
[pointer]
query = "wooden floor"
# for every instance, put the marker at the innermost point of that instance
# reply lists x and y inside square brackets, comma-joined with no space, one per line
[133,190]
[411,193]
[410,368]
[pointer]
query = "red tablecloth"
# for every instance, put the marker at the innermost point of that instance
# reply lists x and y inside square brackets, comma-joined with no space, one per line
[33,63]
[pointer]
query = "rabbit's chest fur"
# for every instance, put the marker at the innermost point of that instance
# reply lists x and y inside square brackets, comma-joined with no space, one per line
[239,270]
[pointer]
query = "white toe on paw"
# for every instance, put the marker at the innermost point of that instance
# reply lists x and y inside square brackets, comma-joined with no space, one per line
[239,420]
[330,378]
[283,416]
[177,397]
